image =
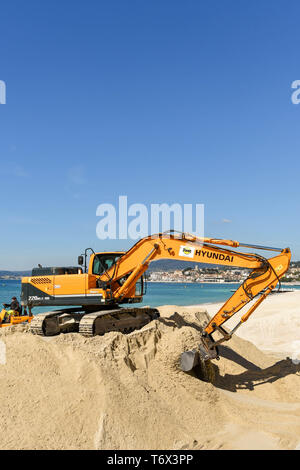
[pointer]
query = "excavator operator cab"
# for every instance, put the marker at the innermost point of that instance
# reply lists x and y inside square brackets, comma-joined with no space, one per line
[99,262]
[103,262]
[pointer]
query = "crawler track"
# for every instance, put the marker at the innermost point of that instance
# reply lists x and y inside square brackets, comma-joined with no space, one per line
[38,323]
[124,320]
[56,321]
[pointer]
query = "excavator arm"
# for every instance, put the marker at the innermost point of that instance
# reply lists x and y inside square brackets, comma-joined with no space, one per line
[264,276]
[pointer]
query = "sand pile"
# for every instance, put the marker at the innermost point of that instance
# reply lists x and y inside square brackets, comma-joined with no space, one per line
[126,392]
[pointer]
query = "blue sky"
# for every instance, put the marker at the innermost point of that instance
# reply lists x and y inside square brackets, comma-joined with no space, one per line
[162,101]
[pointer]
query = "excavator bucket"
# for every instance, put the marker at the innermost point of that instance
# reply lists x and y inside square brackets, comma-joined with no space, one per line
[205,352]
[189,360]
[199,361]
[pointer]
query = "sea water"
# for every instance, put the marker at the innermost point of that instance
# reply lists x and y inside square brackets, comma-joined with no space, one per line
[157,293]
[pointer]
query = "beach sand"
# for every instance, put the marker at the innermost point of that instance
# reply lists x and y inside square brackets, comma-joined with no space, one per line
[127,392]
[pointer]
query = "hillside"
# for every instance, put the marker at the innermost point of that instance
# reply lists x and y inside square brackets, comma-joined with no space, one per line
[15,273]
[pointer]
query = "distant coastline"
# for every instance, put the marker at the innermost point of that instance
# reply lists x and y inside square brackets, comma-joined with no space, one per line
[193,282]
[296,283]
[214,283]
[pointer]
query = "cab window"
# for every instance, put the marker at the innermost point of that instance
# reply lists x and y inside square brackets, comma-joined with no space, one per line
[103,263]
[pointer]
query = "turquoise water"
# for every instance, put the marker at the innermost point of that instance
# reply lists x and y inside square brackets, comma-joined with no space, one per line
[157,293]
[169,293]
[8,289]
[190,294]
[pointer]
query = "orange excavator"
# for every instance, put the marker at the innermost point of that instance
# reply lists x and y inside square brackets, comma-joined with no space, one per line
[90,297]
